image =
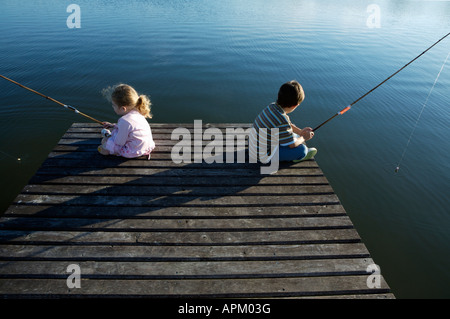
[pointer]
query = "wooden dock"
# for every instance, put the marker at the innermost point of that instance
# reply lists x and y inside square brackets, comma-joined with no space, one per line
[155,228]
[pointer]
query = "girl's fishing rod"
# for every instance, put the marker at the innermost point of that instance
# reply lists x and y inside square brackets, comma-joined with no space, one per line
[53,100]
[359,99]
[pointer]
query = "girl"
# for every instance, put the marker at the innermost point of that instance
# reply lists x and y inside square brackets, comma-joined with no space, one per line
[131,136]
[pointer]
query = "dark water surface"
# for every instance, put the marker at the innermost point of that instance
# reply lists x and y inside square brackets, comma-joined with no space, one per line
[223,61]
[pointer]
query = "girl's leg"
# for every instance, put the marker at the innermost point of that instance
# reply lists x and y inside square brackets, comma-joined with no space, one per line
[101,149]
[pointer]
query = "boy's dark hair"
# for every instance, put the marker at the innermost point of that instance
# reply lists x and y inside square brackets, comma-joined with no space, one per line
[290,94]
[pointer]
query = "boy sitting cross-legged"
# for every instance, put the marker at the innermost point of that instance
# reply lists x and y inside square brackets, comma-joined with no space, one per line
[291,139]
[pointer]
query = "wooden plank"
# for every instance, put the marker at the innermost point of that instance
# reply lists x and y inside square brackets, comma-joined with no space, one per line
[126,190]
[164,135]
[96,141]
[208,181]
[169,125]
[182,253]
[176,212]
[184,224]
[188,269]
[92,148]
[213,288]
[165,172]
[154,163]
[164,201]
[180,238]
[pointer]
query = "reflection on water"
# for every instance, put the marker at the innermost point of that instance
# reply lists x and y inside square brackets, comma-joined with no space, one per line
[223,61]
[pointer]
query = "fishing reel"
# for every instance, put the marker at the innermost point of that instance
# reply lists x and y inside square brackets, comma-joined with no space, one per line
[106,133]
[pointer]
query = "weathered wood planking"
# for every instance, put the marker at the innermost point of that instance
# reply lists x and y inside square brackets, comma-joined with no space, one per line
[155,228]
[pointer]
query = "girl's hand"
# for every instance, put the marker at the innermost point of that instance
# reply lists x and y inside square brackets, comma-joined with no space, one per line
[307,133]
[107,125]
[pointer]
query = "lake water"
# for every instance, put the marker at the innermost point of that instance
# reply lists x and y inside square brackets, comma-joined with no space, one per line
[223,61]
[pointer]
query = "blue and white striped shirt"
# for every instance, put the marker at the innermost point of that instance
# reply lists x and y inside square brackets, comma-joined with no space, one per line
[272,117]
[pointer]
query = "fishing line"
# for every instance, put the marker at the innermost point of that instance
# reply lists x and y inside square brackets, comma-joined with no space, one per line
[17,159]
[420,114]
[53,100]
[384,81]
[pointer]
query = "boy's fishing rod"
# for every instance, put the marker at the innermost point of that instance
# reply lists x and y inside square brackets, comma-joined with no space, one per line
[53,100]
[363,96]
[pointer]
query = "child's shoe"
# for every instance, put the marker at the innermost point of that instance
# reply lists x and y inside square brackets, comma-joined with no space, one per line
[102,151]
[311,152]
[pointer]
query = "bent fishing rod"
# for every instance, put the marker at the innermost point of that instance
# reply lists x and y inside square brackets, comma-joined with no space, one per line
[376,87]
[53,100]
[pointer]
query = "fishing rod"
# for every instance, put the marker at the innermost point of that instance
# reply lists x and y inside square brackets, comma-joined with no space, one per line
[384,81]
[53,100]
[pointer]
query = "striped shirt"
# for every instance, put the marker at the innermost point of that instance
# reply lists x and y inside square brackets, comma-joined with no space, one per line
[272,117]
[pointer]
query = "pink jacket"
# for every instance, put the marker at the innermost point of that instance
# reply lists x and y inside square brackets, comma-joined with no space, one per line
[131,136]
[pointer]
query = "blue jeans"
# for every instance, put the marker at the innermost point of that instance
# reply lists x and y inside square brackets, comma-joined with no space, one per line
[290,154]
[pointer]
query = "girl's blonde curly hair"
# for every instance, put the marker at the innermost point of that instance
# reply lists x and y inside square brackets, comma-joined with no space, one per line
[125,95]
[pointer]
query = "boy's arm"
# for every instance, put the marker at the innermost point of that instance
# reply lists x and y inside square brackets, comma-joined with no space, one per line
[304,135]
[296,130]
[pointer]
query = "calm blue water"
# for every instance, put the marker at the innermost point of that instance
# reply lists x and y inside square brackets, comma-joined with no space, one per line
[222,61]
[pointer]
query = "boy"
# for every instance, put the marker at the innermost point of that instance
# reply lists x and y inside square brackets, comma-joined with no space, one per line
[290,138]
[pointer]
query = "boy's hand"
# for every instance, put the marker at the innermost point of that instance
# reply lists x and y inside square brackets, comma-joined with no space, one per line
[307,133]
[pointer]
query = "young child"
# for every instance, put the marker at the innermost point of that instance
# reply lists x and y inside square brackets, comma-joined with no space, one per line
[290,138]
[131,136]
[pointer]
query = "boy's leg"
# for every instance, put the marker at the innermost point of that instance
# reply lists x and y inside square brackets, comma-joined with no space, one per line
[291,154]
[297,154]
[311,153]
